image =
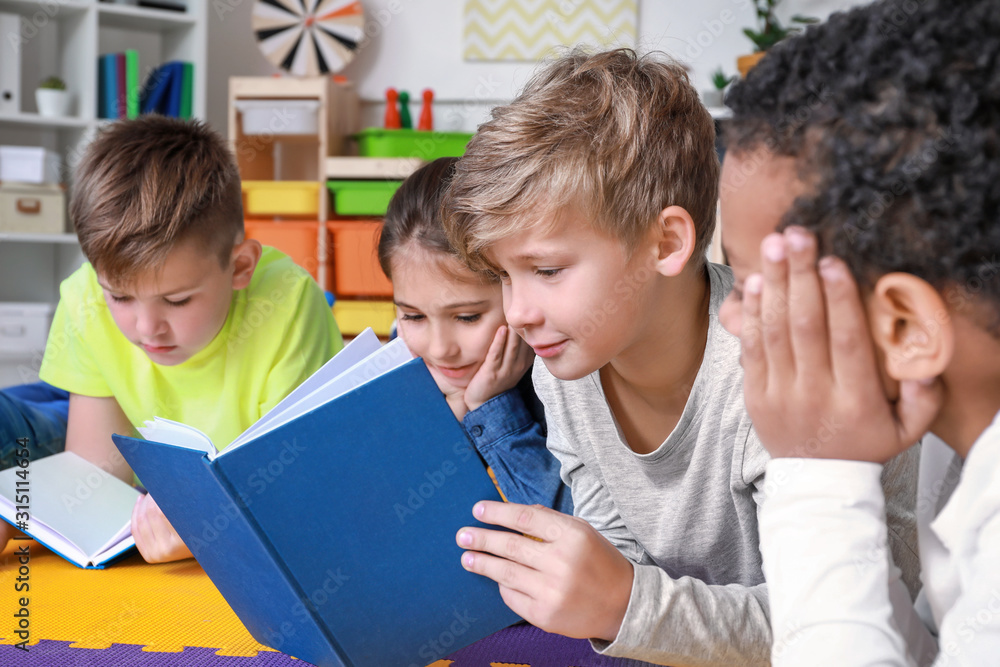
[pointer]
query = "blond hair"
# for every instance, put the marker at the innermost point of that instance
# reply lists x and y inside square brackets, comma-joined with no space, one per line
[613,135]
[143,185]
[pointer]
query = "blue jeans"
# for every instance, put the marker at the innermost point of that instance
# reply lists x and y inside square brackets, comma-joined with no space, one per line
[37,412]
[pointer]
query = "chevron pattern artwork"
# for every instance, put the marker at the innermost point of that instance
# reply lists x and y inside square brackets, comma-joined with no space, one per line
[529,30]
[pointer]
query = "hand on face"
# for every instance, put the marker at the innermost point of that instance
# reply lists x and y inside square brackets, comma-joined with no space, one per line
[565,578]
[507,360]
[155,538]
[811,383]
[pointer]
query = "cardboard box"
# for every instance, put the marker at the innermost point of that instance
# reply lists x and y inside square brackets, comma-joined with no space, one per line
[32,209]
[29,164]
[24,327]
[279,116]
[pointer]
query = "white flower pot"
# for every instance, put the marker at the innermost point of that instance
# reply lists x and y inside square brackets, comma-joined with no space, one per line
[711,97]
[54,102]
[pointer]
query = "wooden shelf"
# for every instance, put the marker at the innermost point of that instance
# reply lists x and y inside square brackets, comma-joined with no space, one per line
[142,18]
[342,167]
[29,7]
[17,237]
[720,113]
[44,121]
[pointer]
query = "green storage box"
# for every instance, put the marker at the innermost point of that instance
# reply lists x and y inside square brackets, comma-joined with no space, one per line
[427,146]
[362,197]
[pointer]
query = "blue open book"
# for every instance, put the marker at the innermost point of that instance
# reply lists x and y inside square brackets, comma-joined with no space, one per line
[70,505]
[329,526]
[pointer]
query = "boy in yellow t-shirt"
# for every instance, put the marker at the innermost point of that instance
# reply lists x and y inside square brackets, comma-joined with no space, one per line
[176,314]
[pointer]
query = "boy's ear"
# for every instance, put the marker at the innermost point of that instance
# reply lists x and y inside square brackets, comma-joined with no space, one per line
[911,324]
[246,254]
[675,240]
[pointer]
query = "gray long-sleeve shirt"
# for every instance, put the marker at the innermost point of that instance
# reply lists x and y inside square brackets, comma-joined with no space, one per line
[686,513]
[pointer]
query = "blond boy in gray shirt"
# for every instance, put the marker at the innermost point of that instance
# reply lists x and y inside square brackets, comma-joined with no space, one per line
[593,197]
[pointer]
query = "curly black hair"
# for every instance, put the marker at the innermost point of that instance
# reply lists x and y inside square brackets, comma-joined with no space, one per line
[893,111]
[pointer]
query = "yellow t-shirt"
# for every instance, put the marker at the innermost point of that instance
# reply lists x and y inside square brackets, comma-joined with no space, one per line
[279,332]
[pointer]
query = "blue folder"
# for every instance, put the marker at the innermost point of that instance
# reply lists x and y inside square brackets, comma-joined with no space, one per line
[109,91]
[154,92]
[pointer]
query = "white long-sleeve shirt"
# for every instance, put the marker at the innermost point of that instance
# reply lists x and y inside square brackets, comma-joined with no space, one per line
[835,599]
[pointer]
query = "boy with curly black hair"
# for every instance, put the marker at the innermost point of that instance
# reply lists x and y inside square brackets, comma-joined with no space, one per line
[875,138]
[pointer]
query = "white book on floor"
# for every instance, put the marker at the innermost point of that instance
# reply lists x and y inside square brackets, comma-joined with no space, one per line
[70,505]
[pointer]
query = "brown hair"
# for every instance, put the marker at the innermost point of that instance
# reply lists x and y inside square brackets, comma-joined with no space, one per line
[414,213]
[145,184]
[616,136]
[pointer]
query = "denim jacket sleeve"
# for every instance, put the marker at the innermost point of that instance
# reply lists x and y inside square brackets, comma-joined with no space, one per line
[512,442]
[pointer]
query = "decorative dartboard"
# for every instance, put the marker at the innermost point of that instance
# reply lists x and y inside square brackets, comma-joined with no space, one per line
[308,37]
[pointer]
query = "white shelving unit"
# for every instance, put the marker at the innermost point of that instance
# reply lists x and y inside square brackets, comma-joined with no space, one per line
[65,38]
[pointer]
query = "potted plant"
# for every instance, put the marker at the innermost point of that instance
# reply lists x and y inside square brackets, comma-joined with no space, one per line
[52,97]
[769,32]
[714,97]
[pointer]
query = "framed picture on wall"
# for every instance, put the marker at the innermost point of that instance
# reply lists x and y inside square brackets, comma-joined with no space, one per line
[519,31]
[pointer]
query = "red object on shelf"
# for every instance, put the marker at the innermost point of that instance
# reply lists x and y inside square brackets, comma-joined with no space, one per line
[426,121]
[392,120]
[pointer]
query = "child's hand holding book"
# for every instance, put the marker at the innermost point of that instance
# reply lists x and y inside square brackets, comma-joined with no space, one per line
[155,538]
[557,572]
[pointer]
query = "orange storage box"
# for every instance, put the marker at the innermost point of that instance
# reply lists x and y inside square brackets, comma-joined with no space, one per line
[297,239]
[354,255]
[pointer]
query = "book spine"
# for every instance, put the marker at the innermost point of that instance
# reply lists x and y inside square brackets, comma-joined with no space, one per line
[110,86]
[132,83]
[121,79]
[176,85]
[102,85]
[187,90]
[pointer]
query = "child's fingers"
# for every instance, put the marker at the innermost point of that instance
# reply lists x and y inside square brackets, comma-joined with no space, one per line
[540,522]
[518,355]
[774,308]
[520,603]
[511,546]
[807,313]
[851,355]
[140,527]
[495,355]
[509,574]
[753,359]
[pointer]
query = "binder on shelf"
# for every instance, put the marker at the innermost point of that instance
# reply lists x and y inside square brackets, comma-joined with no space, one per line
[122,81]
[109,92]
[10,66]
[187,90]
[176,86]
[155,90]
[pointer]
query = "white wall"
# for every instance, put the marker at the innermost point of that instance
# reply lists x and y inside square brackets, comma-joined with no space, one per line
[421,46]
